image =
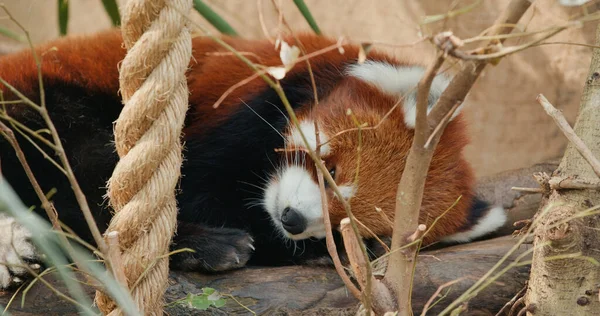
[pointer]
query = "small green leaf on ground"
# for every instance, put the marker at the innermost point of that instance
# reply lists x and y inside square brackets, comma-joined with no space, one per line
[203,301]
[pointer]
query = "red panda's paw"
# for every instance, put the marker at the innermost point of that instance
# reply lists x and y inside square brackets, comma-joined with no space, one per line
[215,249]
[16,253]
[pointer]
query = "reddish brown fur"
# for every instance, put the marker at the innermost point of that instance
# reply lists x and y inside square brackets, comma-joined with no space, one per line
[92,61]
[382,158]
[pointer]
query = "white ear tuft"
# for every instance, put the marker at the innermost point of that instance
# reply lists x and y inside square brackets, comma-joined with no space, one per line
[308,129]
[400,81]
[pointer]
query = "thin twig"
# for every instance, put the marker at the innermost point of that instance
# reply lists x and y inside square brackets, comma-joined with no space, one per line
[569,133]
[46,205]
[357,261]
[528,190]
[235,86]
[331,248]
[437,292]
[263,25]
[15,123]
[81,199]
[373,235]
[517,303]
[512,301]
[557,183]
[442,125]
[503,52]
[384,216]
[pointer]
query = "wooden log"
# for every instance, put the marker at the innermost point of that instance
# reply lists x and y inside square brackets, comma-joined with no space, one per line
[302,290]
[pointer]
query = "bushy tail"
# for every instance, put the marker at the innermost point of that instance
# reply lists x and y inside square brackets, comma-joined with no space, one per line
[483,219]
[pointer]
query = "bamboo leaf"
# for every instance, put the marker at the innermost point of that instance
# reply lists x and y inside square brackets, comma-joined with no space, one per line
[10,34]
[307,15]
[63,16]
[112,9]
[213,18]
[54,254]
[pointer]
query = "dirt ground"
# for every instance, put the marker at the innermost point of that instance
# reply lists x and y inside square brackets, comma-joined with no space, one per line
[509,129]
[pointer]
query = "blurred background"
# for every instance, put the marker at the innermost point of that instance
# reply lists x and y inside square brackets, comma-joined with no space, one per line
[509,128]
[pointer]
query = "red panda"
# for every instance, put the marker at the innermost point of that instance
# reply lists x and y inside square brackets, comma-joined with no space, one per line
[241,199]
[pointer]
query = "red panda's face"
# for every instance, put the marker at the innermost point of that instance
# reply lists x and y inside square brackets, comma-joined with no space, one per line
[365,165]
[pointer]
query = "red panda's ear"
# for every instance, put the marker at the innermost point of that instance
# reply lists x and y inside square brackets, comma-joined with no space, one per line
[401,81]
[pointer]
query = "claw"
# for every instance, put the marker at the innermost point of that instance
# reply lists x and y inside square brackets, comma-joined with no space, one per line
[251,247]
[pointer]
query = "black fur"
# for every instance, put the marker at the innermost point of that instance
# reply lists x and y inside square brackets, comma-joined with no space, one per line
[220,172]
[478,210]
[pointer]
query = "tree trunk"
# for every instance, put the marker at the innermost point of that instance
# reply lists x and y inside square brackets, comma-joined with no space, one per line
[569,286]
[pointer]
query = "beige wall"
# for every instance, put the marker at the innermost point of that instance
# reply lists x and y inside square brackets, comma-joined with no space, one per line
[509,129]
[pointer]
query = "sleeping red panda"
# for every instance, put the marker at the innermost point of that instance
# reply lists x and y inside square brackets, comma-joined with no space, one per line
[241,200]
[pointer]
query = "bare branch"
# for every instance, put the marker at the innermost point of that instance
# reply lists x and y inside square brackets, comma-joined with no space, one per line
[557,183]
[528,190]
[411,186]
[331,248]
[46,205]
[437,132]
[81,199]
[569,133]
[437,292]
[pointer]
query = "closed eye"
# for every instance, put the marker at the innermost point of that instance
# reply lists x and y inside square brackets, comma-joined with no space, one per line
[332,173]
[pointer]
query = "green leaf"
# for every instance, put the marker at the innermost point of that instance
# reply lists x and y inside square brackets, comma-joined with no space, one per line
[203,301]
[63,16]
[112,9]
[208,290]
[197,301]
[213,18]
[10,34]
[307,15]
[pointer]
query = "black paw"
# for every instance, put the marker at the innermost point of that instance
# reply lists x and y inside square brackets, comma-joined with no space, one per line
[215,249]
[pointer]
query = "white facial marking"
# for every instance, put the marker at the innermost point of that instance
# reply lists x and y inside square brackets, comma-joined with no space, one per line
[494,219]
[14,245]
[308,129]
[398,81]
[347,191]
[295,188]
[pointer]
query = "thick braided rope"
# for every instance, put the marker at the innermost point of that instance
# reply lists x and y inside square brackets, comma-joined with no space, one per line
[147,137]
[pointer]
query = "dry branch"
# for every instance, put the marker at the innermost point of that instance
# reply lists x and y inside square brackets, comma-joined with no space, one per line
[56,144]
[46,205]
[569,133]
[410,188]
[331,248]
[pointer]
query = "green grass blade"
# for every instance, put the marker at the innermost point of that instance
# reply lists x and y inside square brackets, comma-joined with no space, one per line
[112,9]
[63,16]
[50,245]
[307,15]
[213,18]
[10,34]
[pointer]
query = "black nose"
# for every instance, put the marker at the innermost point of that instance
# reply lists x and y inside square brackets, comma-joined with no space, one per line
[293,221]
